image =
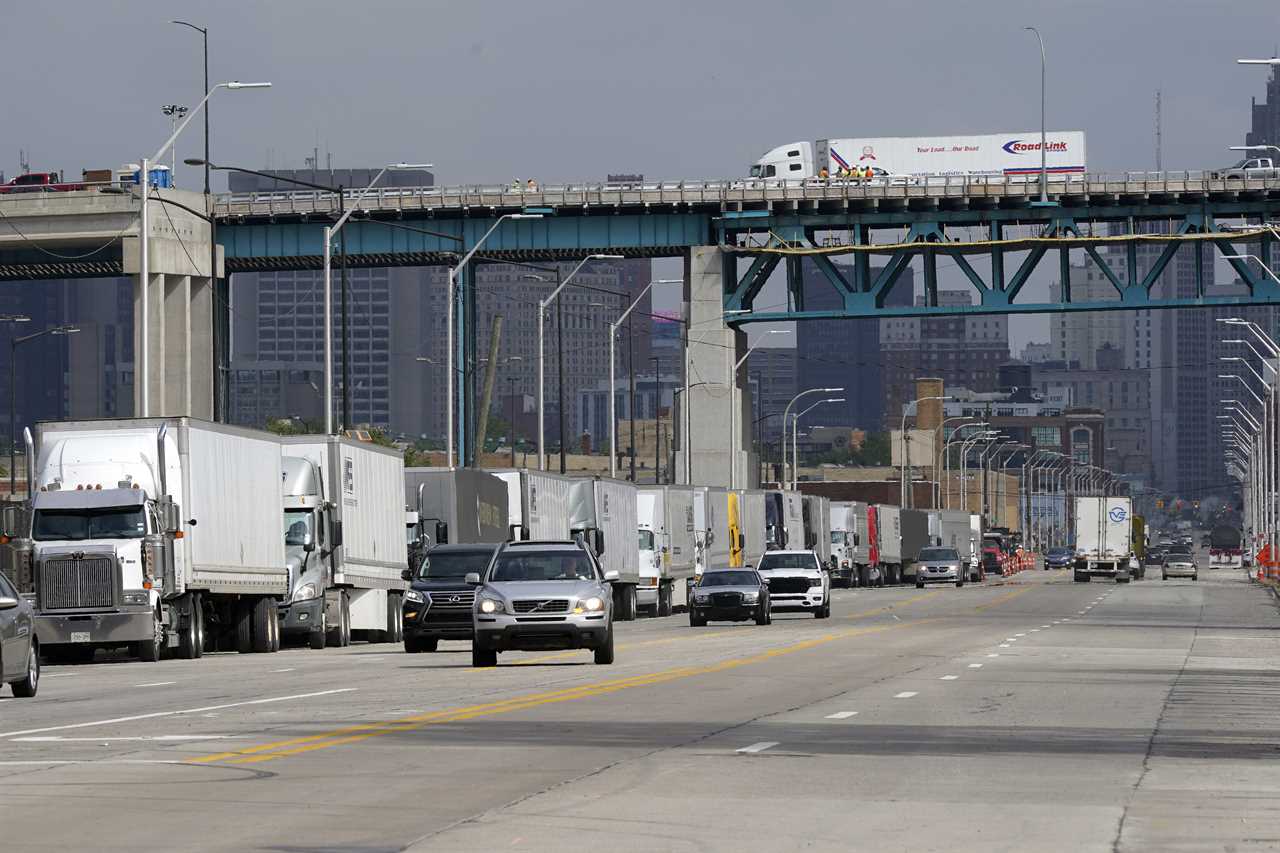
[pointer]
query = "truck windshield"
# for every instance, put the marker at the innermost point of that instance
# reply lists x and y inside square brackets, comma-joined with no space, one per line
[453,565]
[837,537]
[296,527]
[788,561]
[939,554]
[755,171]
[73,525]
[545,566]
[646,540]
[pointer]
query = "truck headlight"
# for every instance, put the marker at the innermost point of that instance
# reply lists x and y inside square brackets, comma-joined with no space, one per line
[594,604]
[306,592]
[491,605]
[141,597]
[412,595]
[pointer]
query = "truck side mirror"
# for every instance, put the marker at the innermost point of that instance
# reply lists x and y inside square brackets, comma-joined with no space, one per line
[611,576]
[442,533]
[308,542]
[406,575]
[335,533]
[742,542]
[597,541]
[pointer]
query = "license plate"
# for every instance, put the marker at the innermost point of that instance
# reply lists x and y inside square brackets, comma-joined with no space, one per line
[79,636]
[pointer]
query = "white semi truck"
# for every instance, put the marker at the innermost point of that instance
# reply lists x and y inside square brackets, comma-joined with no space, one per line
[345,498]
[603,513]
[1103,538]
[711,528]
[537,503]
[152,533]
[665,525]
[913,158]
[752,525]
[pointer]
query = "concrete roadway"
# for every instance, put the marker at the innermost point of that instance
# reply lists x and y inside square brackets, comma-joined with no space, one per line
[1036,714]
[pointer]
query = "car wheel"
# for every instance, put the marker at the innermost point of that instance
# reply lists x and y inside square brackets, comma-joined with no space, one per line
[959,584]
[604,654]
[919,584]
[481,657]
[1164,576]
[762,615]
[695,619]
[27,687]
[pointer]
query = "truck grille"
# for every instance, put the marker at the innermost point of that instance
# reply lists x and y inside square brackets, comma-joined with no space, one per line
[789,585]
[541,605]
[68,583]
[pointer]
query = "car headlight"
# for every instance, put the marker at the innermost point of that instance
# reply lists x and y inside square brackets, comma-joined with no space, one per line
[594,604]
[492,605]
[750,597]
[142,597]
[815,582]
[701,597]
[412,595]
[305,592]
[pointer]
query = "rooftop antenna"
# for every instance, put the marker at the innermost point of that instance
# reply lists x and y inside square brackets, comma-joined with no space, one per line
[23,163]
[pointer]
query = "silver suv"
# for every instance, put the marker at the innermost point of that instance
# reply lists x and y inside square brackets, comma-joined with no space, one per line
[538,596]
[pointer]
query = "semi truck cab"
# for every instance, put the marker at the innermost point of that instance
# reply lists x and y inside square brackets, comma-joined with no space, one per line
[793,161]
[304,523]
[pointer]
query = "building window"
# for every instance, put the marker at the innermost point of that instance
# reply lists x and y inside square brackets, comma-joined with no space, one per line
[1045,436]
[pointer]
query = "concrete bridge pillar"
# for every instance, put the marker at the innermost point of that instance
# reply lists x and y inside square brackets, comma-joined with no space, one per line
[713,350]
[181,310]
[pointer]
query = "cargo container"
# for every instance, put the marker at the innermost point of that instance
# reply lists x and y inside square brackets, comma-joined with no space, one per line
[887,551]
[665,521]
[793,520]
[915,525]
[537,503]
[816,515]
[751,504]
[154,532]
[603,513]
[353,501]
[711,528]
[1103,531]
[457,506]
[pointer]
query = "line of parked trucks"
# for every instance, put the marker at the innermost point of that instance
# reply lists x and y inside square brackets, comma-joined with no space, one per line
[182,536]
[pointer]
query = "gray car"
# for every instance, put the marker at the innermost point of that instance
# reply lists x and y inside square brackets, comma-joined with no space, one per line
[1179,562]
[939,565]
[19,649]
[538,596]
[730,595]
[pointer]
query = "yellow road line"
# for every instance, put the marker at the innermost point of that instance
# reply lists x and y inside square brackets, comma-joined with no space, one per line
[636,645]
[1006,597]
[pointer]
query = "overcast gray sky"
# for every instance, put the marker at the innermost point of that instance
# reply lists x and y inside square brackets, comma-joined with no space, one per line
[576,89]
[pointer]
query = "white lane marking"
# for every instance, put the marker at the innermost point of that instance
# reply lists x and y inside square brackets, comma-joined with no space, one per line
[286,669]
[975,666]
[58,675]
[48,762]
[110,739]
[842,715]
[1005,646]
[949,678]
[1020,635]
[906,694]
[156,714]
[1044,626]
[156,684]
[1011,639]
[993,655]
[758,747]
[1035,630]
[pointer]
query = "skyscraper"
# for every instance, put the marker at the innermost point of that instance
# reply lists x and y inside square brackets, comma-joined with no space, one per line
[1266,115]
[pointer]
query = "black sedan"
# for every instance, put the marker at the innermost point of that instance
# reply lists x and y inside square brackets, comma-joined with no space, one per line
[19,650]
[1058,558]
[730,595]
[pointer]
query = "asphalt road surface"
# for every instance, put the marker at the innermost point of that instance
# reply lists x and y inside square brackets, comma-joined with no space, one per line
[1034,714]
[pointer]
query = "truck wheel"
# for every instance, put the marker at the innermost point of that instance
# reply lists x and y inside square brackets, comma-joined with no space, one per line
[664,600]
[604,654]
[959,583]
[395,618]
[244,626]
[149,650]
[261,619]
[345,627]
[628,604]
[483,657]
[191,639]
[318,634]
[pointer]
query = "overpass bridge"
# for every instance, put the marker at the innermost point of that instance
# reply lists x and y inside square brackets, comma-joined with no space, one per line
[733,234]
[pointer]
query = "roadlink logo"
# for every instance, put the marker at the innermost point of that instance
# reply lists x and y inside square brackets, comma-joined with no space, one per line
[1017,146]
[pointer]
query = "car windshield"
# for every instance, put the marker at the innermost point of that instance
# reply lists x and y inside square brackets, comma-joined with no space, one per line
[730,579]
[453,565]
[60,525]
[646,540]
[788,561]
[296,527]
[543,566]
[939,554]
[1059,552]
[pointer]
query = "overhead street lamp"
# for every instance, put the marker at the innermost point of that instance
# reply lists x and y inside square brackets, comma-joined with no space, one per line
[785,414]
[905,478]
[204,35]
[733,407]
[14,343]
[1044,169]
[967,445]
[142,358]
[795,439]
[946,455]
[613,334]
[939,454]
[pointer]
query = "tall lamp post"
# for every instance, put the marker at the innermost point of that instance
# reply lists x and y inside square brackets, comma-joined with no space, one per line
[204,36]
[14,343]
[142,358]
[795,438]
[733,408]
[785,413]
[905,479]
[1044,169]
[542,316]
[613,334]
[946,456]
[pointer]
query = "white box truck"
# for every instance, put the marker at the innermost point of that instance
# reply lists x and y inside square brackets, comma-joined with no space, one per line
[1103,537]
[793,520]
[915,159]
[537,503]
[456,506]
[154,532]
[844,532]
[711,528]
[355,582]
[665,524]
[603,513]
[752,525]
[816,513]
[886,547]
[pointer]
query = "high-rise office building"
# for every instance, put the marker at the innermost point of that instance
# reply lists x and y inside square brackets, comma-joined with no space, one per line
[1265,128]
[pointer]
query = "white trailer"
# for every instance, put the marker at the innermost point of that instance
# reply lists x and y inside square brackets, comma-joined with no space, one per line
[537,503]
[915,159]
[887,553]
[955,530]
[357,585]
[665,522]
[1103,538]
[751,523]
[817,526]
[145,531]
[711,528]
[793,520]
[603,513]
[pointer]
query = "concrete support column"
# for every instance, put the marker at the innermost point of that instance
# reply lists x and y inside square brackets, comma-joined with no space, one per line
[713,350]
[203,357]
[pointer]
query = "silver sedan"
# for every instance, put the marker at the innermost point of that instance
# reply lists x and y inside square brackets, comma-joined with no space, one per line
[1179,562]
[19,650]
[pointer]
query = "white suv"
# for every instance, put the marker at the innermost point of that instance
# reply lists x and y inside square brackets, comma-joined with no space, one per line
[797,581]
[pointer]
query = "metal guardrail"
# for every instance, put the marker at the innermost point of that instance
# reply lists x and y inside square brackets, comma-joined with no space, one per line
[729,191]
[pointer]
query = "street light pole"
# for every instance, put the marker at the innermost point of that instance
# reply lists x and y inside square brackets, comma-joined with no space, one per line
[782,460]
[1044,170]
[795,438]
[946,454]
[733,408]
[657,419]
[905,479]
[14,343]
[613,418]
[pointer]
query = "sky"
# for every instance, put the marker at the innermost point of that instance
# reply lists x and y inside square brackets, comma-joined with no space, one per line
[572,90]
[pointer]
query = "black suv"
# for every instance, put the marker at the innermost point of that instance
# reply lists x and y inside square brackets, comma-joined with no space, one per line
[438,603]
